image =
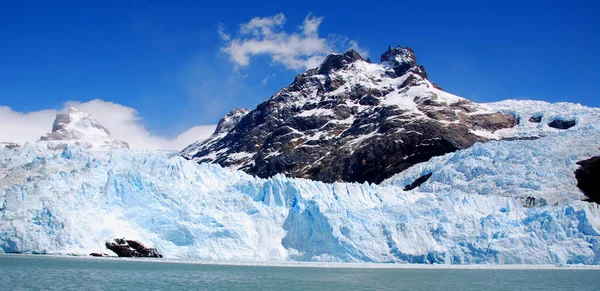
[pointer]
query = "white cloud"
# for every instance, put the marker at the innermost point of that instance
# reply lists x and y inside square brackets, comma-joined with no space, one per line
[264,81]
[264,25]
[123,122]
[22,127]
[222,34]
[303,49]
[267,78]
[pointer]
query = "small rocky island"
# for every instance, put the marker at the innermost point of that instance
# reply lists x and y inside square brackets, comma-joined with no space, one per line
[131,248]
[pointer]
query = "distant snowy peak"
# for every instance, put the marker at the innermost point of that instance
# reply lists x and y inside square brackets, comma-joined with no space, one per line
[352,120]
[74,126]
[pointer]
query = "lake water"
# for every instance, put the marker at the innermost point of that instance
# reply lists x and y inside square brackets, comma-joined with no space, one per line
[19,272]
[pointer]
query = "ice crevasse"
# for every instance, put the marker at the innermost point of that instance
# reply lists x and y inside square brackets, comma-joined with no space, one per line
[475,208]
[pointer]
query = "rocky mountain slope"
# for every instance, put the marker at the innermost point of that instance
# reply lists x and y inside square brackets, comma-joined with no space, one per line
[225,125]
[76,127]
[351,120]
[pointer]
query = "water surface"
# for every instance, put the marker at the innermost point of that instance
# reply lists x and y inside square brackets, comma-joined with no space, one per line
[19,272]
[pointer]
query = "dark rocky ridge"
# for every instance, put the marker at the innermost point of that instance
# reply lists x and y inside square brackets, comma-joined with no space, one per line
[336,123]
[338,61]
[9,145]
[562,124]
[418,182]
[536,119]
[588,178]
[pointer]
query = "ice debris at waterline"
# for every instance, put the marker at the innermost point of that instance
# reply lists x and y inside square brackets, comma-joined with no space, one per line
[472,209]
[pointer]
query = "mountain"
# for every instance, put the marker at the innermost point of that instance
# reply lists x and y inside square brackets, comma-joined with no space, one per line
[352,120]
[226,124]
[79,128]
[499,202]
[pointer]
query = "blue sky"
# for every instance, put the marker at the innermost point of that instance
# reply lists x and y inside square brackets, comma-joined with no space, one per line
[169,62]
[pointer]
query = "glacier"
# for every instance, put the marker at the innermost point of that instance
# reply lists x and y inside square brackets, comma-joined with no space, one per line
[473,210]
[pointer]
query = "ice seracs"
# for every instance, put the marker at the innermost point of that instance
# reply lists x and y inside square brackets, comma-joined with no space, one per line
[535,117]
[477,206]
[73,126]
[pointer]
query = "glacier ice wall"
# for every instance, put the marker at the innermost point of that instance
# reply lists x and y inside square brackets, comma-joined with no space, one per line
[471,210]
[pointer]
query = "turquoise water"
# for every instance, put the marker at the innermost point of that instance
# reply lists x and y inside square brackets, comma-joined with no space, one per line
[20,272]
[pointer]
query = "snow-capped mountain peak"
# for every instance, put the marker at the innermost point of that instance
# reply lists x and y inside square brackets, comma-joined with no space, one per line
[76,123]
[73,126]
[352,120]
[398,57]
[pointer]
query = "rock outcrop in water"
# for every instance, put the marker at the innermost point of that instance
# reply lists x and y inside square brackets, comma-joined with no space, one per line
[99,255]
[588,178]
[131,248]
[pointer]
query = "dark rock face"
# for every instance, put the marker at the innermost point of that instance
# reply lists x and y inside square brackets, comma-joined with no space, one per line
[418,182]
[403,60]
[588,178]
[536,119]
[562,124]
[131,248]
[522,138]
[9,145]
[337,61]
[349,120]
[530,202]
